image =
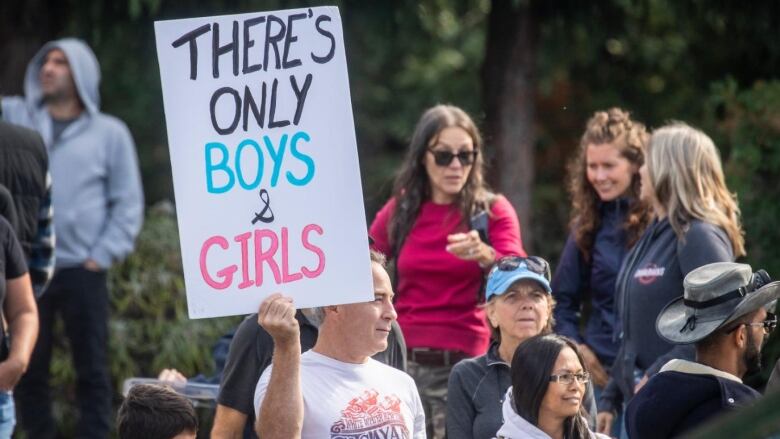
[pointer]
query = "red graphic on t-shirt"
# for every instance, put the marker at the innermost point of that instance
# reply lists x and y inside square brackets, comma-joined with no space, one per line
[649,273]
[368,416]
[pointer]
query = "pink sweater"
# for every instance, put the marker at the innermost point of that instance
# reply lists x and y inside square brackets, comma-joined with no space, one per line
[437,291]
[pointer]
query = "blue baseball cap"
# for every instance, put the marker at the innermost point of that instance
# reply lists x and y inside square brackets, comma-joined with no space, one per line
[511,269]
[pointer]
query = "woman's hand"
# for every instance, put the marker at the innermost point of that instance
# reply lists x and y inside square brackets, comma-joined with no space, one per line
[593,365]
[11,371]
[469,247]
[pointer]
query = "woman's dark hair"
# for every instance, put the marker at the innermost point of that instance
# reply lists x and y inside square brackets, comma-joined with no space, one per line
[615,127]
[412,186]
[532,365]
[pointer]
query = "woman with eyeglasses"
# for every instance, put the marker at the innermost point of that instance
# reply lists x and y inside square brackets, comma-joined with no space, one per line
[519,306]
[696,222]
[431,227]
[607,218]
[548,384]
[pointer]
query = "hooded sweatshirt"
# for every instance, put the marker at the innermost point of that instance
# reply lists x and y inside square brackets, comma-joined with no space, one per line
[517,427]
[96,191]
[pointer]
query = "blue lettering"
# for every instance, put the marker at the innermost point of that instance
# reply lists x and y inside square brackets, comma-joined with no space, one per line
[310,167]
[260,164]
[221,166]
[276,155]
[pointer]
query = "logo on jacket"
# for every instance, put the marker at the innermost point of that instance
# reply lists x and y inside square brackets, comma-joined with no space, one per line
[367,417]
[649,273]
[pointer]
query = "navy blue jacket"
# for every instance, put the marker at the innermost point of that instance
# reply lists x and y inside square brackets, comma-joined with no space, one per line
[672,403]
[575,279]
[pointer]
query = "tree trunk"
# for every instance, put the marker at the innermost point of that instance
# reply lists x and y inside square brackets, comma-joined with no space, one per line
[508,86]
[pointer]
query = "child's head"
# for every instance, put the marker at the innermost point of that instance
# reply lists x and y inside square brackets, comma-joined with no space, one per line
[156,412]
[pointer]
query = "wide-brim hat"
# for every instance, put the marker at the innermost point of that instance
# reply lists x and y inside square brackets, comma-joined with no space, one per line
[714,296]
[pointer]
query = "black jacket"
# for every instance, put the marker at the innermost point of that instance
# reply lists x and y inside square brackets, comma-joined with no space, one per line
[672,403]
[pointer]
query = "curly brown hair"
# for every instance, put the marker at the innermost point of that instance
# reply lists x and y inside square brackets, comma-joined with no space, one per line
[412,186]
[615,127]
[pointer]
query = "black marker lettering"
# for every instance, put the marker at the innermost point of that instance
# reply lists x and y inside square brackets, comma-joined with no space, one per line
[327,34]
[248,42]
[300,94]
[190,37]
[218,50]
[237,111]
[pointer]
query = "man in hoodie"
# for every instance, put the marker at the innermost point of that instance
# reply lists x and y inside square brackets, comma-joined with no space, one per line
[98,205]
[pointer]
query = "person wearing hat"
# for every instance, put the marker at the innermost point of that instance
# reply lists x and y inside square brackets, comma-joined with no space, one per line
[519,305]
[723,313]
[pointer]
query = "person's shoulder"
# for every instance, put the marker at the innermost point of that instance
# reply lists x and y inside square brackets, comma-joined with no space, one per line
[698,228]
[17,133]
[389,371]
[110,124]
[498,202]
[470,365]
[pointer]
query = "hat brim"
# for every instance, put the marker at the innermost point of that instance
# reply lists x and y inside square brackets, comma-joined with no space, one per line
[671,322]
[500,287]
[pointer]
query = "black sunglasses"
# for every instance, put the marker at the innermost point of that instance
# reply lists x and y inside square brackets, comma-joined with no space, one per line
[533,263]
[444,158]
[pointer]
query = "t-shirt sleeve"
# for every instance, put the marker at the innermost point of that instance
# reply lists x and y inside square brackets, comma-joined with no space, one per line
[260,389]
[15,264]
[378,229]
[704,244]
[504,229]
[243,366]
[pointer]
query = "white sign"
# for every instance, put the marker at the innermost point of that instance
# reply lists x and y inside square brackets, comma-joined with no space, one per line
[264,160]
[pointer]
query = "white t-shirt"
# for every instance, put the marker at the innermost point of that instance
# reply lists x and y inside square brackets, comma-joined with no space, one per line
[354,401]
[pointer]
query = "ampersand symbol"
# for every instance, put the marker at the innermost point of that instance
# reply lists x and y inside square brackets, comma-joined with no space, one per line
[266,215]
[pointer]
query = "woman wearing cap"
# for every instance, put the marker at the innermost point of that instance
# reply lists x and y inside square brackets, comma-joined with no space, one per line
[607,218]
[519,306]
[696,223]
[438,197]
[548,384]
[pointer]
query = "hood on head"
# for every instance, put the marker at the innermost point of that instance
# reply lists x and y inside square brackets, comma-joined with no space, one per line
[83,65]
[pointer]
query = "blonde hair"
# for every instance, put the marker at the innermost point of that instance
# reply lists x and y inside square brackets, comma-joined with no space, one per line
[687,176]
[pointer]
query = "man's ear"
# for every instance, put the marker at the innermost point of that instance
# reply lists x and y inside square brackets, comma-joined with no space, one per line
[739,336]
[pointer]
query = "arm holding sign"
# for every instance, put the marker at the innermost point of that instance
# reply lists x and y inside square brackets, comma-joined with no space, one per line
[280,409]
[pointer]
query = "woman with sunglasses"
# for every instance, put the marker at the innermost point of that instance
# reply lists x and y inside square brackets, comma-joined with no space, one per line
[439,195]
[607,218]
[548,384]
[696,222]
[519,306]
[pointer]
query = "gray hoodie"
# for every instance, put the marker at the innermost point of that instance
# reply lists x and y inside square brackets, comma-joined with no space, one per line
[96,190]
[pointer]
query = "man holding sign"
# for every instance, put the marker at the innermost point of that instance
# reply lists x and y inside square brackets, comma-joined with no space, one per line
[336,390]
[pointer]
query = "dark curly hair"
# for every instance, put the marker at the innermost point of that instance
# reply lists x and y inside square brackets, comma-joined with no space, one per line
[615,127]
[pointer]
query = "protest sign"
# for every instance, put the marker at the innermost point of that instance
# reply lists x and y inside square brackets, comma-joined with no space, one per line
[264,160]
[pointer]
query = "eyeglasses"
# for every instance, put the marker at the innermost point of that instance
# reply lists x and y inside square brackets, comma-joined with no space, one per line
[533,263]
[568,378]
[769,324]
[444,158]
